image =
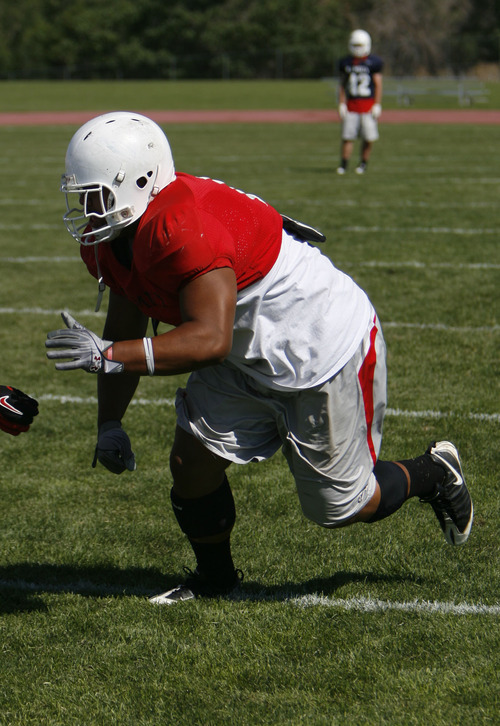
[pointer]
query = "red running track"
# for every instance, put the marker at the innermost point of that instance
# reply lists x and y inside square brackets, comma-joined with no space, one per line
[459,116]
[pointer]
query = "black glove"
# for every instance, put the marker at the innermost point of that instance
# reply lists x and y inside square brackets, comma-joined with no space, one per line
[113,448]
[17,410]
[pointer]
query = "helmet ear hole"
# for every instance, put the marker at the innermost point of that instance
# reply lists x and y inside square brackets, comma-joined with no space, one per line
[142,181]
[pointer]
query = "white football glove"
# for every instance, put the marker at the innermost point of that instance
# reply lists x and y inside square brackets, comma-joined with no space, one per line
[342,110]
[113,448]
[83,347]
[376,110]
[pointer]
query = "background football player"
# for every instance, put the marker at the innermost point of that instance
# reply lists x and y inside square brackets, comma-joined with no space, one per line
[360,99]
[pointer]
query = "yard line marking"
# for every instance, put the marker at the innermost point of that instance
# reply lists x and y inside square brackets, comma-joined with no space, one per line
[93,400]
[82,587]
[427,265]
[443,327]
[349,263]
[31,227]
[425,230]
[320,202]
[386,324]
[43,311]
[23,260]
[405,204]
[371,605]
[397,412]
[359,604]
[355,228]
[30,202]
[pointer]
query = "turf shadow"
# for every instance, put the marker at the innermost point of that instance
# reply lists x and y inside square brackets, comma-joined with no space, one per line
[21,585]
[321,586]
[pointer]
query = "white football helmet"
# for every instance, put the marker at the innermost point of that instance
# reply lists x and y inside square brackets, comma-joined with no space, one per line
[360,43]
[116,163]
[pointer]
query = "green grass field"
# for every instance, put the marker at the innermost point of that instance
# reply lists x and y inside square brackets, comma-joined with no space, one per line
[174,95]
[381,624]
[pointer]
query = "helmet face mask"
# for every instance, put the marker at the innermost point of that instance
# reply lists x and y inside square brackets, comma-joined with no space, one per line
[115,165]
[95,219]
[360,43]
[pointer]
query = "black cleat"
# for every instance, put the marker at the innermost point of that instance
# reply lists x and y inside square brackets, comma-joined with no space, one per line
[451,501]
[196,586]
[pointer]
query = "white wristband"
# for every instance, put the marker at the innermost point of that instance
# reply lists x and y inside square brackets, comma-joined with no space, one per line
[148,352]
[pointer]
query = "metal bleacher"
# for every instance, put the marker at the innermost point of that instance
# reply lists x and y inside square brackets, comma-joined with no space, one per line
[467,91]
[406,89]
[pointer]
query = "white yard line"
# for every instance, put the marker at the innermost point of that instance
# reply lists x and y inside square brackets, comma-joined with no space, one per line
[425,230]
[443,327]
[428,265]
[25,260]
[385,324]
[400,413]
[357,604]
[397,412]
[27,227]
[367,263]
[45,311]
[370,204]
[373,605]
[93,400]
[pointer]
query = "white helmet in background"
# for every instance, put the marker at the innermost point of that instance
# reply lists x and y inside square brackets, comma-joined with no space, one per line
[360,43]
[116,163]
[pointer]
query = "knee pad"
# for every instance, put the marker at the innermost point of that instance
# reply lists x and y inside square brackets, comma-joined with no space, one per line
[206,516]
[393,484]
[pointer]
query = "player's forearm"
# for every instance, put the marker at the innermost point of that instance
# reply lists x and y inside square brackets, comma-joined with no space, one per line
[114,393]
[181,350]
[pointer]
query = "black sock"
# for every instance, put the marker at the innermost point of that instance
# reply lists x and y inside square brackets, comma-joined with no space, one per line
[424,475]
[206,518]
[214,560]
[401,480]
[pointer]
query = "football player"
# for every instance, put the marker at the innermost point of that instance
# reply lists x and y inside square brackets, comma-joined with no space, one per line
[360,99]
[284,350]
[17,410]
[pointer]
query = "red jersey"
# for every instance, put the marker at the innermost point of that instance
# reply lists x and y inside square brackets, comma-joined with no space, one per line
[193,226]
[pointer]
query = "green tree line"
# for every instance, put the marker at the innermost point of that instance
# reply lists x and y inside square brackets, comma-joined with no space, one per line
[238,38]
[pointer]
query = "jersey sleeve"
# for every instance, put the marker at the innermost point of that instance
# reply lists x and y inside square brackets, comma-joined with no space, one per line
[183,243]
[377,65]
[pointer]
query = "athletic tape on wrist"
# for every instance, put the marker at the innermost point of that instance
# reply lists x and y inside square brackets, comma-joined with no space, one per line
[148,352]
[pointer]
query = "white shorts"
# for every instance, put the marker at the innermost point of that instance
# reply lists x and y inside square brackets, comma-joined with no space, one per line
[330,435]
[359,124]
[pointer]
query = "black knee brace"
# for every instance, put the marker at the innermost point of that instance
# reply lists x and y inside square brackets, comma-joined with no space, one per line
[393,484]
[206,516]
